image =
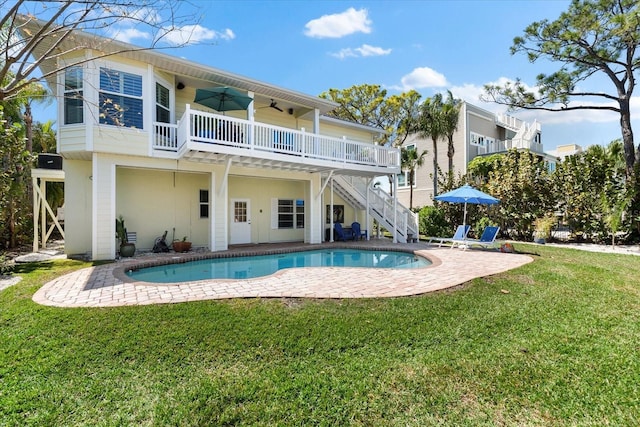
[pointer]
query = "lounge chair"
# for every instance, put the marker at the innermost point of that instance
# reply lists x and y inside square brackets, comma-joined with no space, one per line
[358,233]
[487,239]
[460,234]
[343,234]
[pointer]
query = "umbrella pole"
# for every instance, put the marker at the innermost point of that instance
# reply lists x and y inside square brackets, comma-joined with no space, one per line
[464,218]
[464,222]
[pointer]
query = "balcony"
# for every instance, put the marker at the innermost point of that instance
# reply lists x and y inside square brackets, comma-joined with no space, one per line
[214,138]
[517,143]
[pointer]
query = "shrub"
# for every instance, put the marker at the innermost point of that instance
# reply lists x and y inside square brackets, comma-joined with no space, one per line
[6,266]
[433,222]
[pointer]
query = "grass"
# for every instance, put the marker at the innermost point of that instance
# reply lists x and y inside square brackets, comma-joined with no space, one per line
[560,348]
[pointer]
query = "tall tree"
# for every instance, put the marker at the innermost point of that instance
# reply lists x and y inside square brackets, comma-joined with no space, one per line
[431,125]
[450,116]
[44,137]
[593,38]
[369,105]
[411,160]
[56,38]
[37,93]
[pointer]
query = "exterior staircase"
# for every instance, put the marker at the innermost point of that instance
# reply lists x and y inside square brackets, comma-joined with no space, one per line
[402,221]
[525,133]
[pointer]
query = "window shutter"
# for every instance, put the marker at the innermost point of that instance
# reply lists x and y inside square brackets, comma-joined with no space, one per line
[274,214]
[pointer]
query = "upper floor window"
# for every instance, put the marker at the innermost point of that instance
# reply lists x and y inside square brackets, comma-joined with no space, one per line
[163,112]
[477,139]
[120,98]
[73,93]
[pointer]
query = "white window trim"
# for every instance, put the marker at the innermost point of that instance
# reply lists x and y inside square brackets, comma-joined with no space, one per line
[62,80]
[275,202]
[119,66]
[164,82]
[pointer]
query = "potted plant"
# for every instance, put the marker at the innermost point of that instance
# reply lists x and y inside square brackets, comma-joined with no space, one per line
[181,245]
[127,249]
[543,227]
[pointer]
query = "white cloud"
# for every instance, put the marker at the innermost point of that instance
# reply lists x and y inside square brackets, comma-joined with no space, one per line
[364,50]
[339,24]
[190,34]
[129,34]
[423,77]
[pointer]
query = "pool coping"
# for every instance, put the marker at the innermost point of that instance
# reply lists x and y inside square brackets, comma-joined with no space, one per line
[101,286]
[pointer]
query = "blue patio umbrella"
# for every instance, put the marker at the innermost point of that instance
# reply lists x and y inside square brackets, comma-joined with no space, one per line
[467,194]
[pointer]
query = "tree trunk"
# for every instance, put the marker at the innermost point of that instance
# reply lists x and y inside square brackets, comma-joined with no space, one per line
[411,173]
[435,166]
[631,154]
[28,124]
[450,152]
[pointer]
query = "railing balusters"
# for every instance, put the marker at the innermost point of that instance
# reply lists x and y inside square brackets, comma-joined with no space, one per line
[198,126]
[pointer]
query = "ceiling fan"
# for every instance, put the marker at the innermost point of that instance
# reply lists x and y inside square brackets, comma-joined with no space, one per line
[274,105]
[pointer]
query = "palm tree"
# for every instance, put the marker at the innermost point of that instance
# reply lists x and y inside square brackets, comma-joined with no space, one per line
[411,161]
[44,137]
[450,113]
[33,92]
[430,125]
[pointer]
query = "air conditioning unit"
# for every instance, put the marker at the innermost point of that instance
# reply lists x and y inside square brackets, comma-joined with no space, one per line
[49,161]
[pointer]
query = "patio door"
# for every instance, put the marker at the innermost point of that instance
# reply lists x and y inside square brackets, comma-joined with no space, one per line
[240,229]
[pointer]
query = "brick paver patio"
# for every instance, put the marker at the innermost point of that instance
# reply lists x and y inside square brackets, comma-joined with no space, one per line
[107,285]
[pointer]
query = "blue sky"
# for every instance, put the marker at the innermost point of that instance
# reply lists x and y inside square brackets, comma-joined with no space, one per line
[430,46]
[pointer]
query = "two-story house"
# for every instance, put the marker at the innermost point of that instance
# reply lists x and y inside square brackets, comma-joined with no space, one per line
[479,132]
[136,144]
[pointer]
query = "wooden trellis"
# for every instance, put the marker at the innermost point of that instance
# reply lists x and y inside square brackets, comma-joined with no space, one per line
[41,208]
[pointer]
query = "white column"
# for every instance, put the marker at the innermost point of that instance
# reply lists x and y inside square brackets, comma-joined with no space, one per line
[212,211]
[331,213]
[395,209]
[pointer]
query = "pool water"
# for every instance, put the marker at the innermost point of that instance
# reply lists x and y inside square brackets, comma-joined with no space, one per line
[264,265]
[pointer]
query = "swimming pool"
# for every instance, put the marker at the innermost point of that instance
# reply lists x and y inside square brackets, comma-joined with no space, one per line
[263,265]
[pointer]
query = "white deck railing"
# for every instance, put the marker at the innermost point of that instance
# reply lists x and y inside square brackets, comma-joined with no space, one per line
[216,129]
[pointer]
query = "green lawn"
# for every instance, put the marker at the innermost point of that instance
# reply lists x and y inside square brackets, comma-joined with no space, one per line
[562,347]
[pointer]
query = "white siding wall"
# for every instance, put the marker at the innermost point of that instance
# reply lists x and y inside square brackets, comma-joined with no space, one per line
[77,195]
[103,222]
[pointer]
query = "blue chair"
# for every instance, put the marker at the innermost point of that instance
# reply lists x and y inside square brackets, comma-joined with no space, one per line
[487,239]
[460,235]
[358,233]
[343,234]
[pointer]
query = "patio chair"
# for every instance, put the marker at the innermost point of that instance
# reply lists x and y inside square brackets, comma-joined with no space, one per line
[487,239]
[460,234]
[358,233]
[343,234]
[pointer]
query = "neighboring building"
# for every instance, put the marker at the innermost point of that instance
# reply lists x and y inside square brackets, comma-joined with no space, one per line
[480,132]
[135,144]
[563,151]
